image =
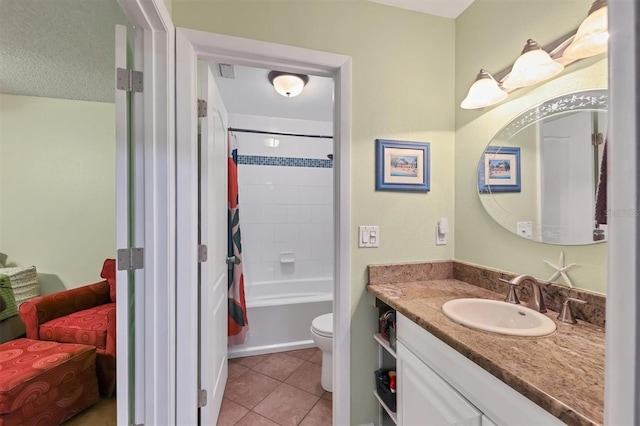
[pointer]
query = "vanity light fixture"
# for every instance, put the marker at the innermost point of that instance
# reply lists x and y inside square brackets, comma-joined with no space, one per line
[484,92]
[533,66]
[288,84]
[592,36]
[536,65]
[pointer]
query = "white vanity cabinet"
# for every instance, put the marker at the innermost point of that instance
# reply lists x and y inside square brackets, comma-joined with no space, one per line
[424,399]
[439,386]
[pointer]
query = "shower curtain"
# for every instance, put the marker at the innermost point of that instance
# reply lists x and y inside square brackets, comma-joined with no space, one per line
[238,328]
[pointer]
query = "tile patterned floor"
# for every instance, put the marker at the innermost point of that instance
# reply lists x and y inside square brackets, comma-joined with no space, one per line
[276,389]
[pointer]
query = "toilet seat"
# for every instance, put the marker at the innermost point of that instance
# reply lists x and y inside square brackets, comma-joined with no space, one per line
[323,325]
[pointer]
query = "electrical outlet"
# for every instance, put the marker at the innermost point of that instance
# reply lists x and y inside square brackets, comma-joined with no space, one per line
[525,229]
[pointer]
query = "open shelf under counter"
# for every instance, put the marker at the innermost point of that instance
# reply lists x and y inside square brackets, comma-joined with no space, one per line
[392,415]
[385,344]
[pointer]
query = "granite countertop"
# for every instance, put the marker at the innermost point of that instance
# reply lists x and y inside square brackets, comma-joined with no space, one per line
[563,373]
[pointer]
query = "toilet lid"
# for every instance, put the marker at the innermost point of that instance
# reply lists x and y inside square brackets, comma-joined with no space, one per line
[323,325]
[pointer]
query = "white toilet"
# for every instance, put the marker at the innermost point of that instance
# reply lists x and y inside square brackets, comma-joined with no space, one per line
[322,335]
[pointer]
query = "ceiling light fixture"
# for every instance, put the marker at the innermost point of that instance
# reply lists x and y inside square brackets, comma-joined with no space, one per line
[592,36]
[533,66]
[288,84]
[484,92]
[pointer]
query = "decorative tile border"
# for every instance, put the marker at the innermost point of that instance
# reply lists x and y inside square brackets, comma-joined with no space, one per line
[262,160]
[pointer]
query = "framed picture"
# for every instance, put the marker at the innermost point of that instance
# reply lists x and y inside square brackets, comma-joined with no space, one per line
[499,170]
[402,166]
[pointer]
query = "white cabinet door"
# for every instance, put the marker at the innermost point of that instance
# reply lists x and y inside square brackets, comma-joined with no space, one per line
[425,399]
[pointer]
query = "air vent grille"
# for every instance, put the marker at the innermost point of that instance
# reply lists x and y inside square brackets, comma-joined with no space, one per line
[226,71]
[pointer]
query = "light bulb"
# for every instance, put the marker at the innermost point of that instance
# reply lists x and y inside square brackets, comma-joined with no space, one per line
[592,36]
[533,66]
[483,92]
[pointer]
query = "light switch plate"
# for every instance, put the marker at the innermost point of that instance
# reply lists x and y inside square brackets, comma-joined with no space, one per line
[368,236]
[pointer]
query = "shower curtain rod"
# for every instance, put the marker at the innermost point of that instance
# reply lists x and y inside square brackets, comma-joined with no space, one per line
[233,129]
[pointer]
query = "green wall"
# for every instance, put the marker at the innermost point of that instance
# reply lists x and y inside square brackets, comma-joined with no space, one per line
[57,187]
[410,73]
[403,80]
[490,34]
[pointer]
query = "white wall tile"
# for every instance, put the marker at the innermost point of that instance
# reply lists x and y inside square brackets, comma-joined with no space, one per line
[285,232]
[312,232]
[311,195]
[274,213]
[269,252]
[259,271]
[327,230]
[310,268]
[250,213]
[322,250]
[260,194]
[327,268]
[301,250]
[285,208]
[322,213]
[286,194]
[258,232]
[299,213]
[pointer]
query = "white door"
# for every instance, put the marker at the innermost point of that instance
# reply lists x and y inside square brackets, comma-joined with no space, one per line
[213,234]
[425,399]
[126,374]
[567,180]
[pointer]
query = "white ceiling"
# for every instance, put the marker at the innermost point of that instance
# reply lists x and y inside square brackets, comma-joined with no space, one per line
[251,93]
[444,8]
[59,48]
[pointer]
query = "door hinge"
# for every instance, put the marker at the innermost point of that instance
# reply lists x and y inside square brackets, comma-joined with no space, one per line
[202,108]
[202,253]
[202,398]
[130,259]
[129,80]
[597,139]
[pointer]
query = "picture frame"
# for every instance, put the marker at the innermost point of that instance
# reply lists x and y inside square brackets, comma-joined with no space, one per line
[402,165]
[499,170]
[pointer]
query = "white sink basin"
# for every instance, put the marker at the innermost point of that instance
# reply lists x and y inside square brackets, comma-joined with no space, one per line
[498,317]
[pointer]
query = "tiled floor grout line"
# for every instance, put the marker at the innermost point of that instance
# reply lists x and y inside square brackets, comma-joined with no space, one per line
[280,381]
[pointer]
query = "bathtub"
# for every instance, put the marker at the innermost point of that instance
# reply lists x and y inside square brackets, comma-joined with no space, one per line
[280,315]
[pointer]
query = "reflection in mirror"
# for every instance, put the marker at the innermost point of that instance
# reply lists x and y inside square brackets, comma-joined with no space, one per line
[539,176]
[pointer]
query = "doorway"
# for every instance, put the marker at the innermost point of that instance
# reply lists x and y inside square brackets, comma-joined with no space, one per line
[191,47]
[282,150]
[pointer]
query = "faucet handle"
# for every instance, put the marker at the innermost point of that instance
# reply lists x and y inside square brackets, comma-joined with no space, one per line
[512,297]
[566,315]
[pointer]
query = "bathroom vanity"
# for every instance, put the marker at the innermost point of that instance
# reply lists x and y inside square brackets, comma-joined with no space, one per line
[451,374]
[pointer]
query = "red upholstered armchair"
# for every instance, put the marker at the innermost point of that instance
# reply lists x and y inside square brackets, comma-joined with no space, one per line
[85,315]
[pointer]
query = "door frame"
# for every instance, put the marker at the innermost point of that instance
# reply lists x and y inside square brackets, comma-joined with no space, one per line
[622,338]
[192,45]
[154,222]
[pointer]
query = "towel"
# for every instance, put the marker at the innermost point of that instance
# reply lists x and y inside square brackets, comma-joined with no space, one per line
[601,196]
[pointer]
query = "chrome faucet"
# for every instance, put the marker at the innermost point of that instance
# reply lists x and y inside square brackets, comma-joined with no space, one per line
[538,300]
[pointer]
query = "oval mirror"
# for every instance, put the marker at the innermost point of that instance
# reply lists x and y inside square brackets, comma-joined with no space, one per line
[539,176]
